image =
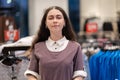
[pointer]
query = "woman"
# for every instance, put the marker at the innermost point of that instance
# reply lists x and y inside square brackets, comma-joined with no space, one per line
[55,53]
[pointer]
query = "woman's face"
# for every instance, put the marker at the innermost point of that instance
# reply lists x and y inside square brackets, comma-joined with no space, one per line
[55,21]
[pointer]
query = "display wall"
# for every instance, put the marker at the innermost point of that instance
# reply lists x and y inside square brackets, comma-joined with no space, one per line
[13,20]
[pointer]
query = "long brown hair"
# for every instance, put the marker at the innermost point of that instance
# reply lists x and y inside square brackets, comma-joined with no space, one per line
[44,33]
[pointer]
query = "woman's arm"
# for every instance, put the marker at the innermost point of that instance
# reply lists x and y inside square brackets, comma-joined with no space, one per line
[33,69]
[31,77]
[79,73]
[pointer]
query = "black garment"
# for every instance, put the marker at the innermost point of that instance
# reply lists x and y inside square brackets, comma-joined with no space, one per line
[118,24]
[107,26]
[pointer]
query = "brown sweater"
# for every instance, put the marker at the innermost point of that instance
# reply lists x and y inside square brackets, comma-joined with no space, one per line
[56,65]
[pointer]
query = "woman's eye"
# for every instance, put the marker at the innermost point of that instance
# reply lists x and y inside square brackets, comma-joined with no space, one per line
[53,17]
[50,18]
[59,17]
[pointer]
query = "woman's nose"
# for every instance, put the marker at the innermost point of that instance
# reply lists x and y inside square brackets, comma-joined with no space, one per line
[54,19]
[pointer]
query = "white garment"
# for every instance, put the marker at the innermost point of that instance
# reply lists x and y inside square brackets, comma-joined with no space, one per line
[6,72]
[26,41]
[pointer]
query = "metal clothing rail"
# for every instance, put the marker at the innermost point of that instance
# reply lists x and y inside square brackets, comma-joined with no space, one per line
[14,48]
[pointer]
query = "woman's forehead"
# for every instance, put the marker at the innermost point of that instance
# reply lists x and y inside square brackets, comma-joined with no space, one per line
[54,12]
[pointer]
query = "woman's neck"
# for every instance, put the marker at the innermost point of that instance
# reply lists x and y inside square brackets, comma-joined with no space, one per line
[56,37]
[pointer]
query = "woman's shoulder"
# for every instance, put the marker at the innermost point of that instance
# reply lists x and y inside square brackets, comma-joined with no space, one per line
[39,44]
[75,43]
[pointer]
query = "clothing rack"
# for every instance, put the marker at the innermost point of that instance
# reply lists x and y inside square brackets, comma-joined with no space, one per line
[111,45]
[9,57]
[91,47]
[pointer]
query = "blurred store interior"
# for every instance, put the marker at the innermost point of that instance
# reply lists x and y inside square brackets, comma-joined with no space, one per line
[96,23]
[92,19]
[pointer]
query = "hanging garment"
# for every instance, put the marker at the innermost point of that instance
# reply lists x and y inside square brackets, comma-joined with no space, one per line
[107,26]
[15,71]
[104,65]
[118,24]
[86,67]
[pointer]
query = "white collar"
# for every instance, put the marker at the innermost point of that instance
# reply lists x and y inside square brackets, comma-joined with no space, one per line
[58,42]
[56,46]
